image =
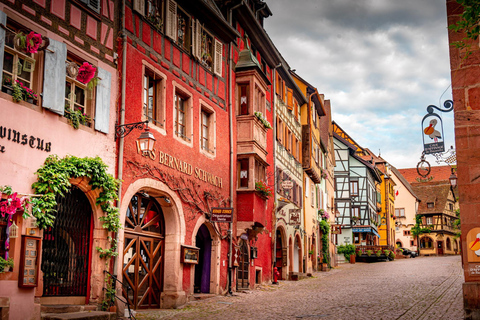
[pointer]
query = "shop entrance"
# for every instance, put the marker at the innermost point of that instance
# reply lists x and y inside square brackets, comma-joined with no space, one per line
[440,248]
[66,247]
[202,269]
[143,252]
[280,255]
[243,266]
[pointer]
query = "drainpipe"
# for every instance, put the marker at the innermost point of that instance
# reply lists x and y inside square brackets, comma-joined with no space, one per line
[274,108]
[230,120]
[122,121]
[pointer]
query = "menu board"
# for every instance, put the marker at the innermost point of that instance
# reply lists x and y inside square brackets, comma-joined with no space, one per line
[28,273]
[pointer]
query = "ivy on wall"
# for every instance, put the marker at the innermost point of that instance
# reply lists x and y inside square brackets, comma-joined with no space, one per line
[53,178]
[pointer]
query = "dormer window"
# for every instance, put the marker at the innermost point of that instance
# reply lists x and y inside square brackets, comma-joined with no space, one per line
[430,205]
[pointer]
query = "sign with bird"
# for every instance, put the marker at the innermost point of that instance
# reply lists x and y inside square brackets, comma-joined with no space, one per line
[432,129]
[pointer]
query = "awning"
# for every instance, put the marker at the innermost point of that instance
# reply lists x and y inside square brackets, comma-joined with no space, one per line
[365,229]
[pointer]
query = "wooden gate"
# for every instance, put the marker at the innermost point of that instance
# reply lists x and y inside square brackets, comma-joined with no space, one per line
[143,252]
[66,247]
[243,266]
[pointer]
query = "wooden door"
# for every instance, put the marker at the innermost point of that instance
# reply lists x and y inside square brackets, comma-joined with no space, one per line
[243,266]
[143,253]
[440,248]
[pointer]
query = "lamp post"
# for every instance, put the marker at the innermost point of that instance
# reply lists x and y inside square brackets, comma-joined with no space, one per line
[146,139]
[453,179]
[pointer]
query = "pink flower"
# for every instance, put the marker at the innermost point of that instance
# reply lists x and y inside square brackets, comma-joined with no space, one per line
[86,72]
[33,42]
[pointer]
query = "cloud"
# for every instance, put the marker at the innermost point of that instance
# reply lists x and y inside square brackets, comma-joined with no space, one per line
[380,62]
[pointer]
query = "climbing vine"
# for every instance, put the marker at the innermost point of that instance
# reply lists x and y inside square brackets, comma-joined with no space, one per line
[468,23]
[325,230]
[53,178]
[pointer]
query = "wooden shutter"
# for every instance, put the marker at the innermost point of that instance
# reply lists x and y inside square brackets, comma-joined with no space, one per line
[194,37]
[54,76]
[94,5]
[102,102]
[139,6]
[218,61]
[279,180]
[290,99]
[3,20]
[198,40]
[171,25]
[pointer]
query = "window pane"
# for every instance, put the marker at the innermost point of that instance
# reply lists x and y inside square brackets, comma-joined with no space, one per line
[8,62]
[79,96]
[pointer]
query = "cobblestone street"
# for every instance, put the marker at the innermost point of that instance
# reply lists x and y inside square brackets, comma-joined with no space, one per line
[420,288]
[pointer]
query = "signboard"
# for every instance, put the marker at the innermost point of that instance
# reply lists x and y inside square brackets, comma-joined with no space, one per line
[287,184]
[473,245]
[432,129]
[189,254]
[336,229]
[365,229]
[28,273]
[222,215]
[474,270]
[295,218]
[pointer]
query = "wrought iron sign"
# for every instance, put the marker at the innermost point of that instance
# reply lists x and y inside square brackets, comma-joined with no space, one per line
[432,129]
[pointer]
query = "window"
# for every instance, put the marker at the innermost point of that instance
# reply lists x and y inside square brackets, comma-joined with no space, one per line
[259,100]
[429,220]
[178,25]
[430,205]
[206,48]
[354,188]
[243,90]
[76,99]
[153,98]
[355,213]
[450,207]
[400,212]
[260,172]
[426,243]
[152,10]
[279,130]
[243,172]
[182,116]
[207,130]
[412,243]
[313,195]
[406,233]
[18,66]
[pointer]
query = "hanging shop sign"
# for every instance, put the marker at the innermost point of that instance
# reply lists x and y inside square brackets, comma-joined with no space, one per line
[222,215]
[23,139]
[287,184]
[295,219]
[432,129]
[336,229]
[182,166]
[190,254]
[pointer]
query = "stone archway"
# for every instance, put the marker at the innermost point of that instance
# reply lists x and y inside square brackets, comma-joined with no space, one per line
[281,253]
[173,294]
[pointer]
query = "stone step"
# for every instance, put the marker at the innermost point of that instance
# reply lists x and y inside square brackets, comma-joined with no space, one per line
[87,315]
[201,296]
[66,308]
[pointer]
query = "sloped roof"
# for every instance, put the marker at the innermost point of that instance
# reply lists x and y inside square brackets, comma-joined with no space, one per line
[437,173]
[432,192]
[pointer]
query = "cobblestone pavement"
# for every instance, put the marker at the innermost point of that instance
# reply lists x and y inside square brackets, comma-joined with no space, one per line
[420,288]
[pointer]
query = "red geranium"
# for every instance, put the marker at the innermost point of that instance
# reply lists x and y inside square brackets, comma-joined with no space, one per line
[33,42]
[86,72]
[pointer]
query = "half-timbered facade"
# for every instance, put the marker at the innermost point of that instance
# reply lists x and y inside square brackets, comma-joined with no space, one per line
[355,193]
[49,52]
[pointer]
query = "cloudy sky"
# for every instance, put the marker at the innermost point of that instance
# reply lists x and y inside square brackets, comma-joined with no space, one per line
[380,62]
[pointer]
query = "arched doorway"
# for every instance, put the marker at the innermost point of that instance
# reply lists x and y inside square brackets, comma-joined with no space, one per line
[66,253]
[243,266]
[143,252]
[280,255]
[296,256]
[203,268]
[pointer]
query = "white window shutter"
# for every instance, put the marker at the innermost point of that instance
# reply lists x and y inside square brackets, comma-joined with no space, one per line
[171,25]
[54,75]
[218,61]
[3,20]
[198,34]
[102,101]
[139,6]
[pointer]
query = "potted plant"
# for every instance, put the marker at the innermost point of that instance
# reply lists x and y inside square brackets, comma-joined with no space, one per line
[378,253]
[7,85]
[6,264]
[369,252]
[262,189]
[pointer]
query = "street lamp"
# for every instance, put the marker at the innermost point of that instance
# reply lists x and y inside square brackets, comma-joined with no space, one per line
[146,139]
[453,179]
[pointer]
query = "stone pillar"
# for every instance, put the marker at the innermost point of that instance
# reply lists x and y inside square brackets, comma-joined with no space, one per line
[465,74]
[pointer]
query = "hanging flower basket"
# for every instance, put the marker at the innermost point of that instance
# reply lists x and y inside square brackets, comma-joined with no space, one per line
[86,73]
[30,43]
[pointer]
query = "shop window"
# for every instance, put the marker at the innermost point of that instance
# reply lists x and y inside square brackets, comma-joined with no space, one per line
[207,130]
[182,116]
[243,173]
[18,66]
[153,105]
[426,243]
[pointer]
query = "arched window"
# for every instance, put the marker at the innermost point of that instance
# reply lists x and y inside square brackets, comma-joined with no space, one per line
[426,243]
[449,244]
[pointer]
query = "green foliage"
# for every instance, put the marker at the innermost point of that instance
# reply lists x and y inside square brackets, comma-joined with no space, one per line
[54,178]
[109,298]
[347,250]
[369,252]
[378,253]
[17,94]
[262,189]
[325,230]
[392,255]
[468,23]
[417,229]
[457,225]
[5,263]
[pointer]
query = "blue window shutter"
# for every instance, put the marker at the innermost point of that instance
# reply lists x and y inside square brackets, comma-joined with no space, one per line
[54,77]
[3,20]
[102,103]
